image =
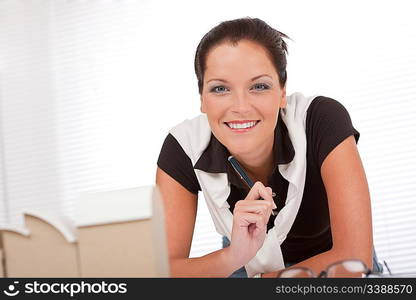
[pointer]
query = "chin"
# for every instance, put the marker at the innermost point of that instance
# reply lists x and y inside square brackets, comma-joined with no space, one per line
[239,148]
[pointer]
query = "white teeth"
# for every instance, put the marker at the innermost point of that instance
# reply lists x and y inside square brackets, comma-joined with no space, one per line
[243,125]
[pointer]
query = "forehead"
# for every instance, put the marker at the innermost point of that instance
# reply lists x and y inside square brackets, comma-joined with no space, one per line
[246,58]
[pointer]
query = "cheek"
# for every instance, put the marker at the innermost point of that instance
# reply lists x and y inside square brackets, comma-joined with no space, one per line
[214,108]
[269,107]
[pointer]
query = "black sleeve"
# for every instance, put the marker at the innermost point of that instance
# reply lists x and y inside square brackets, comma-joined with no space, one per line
[328,123]
[174,161]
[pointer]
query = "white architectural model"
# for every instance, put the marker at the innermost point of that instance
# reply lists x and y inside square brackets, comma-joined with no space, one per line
[115,234]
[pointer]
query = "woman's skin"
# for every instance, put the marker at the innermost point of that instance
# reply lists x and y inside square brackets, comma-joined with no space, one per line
[241,84]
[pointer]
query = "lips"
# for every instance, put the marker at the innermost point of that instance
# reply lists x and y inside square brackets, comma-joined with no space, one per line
[242,126]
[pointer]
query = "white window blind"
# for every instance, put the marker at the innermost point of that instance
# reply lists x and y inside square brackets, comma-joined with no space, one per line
[89,90]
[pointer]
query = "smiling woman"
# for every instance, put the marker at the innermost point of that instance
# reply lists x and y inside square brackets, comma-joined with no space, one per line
[242,94]
[301,148]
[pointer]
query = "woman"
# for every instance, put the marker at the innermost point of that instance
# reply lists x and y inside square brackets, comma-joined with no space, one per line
[301,148]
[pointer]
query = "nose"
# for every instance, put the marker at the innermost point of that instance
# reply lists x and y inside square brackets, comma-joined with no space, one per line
[241,103]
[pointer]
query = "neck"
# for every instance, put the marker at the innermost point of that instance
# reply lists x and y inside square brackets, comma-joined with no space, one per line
[259,164]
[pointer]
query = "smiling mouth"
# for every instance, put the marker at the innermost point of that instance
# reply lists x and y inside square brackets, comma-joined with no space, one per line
[242,127]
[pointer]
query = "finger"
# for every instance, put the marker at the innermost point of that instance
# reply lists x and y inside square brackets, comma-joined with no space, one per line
[245,219]
[262,207]
[264,193]
[247,204]
[269,189]
[254,206]
[254,192]
[260,191]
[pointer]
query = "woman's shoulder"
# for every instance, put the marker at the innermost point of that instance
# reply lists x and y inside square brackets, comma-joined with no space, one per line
[327,112]
[174,161]
[323,105]
[193,135]
[199,120]
[328,123]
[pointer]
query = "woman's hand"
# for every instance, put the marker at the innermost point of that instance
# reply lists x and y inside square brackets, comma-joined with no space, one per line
[250,218]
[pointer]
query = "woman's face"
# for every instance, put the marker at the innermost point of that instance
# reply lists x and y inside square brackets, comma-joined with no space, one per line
[241,96]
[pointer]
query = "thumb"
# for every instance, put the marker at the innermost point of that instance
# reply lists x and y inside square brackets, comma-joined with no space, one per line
[270,191]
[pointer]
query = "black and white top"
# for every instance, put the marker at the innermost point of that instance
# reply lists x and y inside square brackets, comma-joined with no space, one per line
[327,125]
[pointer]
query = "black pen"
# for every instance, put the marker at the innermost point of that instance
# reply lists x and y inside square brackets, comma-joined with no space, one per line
[240,171]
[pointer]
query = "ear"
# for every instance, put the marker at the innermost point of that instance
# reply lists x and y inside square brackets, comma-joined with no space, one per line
[203,108]
[283,103]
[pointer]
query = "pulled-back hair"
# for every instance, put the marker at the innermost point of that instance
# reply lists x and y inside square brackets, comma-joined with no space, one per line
[233,31]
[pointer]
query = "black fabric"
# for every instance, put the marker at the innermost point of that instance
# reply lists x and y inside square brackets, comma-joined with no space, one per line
[327,125]
[174,161]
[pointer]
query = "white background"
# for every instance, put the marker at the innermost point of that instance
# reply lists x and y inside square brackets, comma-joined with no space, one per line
[90,89]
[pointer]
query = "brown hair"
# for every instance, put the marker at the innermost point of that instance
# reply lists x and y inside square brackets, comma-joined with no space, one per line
[233,31]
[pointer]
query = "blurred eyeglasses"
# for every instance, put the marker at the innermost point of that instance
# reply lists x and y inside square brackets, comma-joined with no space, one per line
[344,268]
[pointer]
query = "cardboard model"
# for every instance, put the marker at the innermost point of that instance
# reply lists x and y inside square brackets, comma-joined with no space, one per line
[115,234]
[1,264]
[122,234]
[44,247]
[1,257]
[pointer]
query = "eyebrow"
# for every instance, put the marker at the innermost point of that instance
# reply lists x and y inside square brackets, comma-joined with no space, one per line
[252,79]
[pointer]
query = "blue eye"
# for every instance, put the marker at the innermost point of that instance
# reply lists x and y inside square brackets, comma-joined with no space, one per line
[261,86]
[219,89]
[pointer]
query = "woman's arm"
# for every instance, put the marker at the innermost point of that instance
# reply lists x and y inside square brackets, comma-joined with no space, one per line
[180,214]
[349,209]
[249,230]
